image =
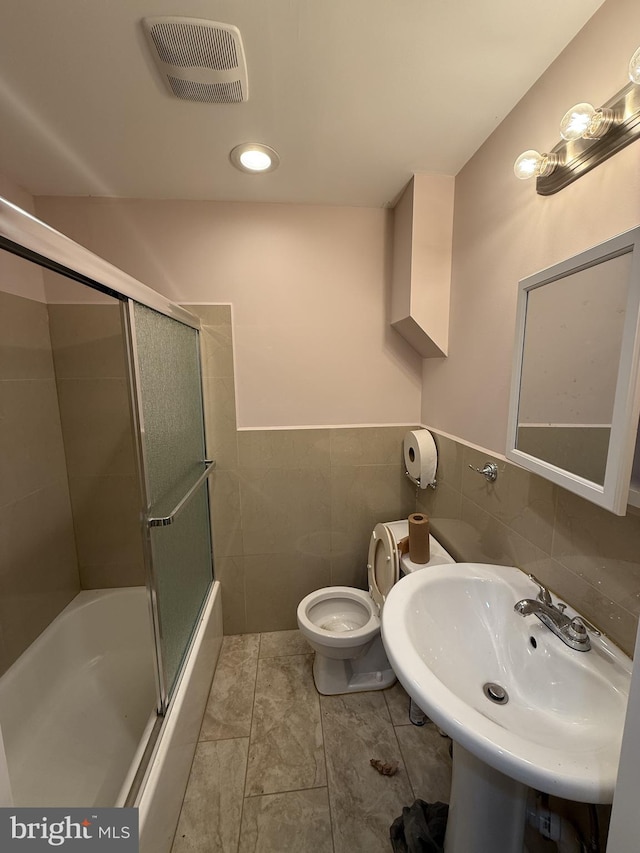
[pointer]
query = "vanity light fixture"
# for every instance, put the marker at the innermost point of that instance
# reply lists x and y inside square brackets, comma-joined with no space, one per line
[590,135]
[253,157]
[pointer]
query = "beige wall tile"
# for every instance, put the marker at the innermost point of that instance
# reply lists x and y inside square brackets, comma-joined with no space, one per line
[349,569]
[367,445]
[230,572]
[216,351]
[38,566]
[523,501]
[492,541]
[87,340]
[450,461]
[220,421]
[211,315]
[110,575]
[284,448]
[285,509]
[613,620]
[600,547]
[30,438]
[25,345]
[96,425]
[226,514]
[441,502]
[362,496]
[275,585]
[106,513]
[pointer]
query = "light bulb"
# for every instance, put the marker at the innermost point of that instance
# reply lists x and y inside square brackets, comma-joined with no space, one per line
[584,121]
[532,164]
[254,157]
[634,67]
[575,122]
[257,161]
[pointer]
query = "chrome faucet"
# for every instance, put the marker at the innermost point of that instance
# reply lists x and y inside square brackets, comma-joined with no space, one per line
[572,632]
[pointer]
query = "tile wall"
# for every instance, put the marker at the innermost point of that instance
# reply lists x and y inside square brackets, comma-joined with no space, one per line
[38,564]
[91,373]
[587,556]
[293,511]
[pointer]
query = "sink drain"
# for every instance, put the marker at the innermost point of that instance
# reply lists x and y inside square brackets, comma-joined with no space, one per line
[496,693]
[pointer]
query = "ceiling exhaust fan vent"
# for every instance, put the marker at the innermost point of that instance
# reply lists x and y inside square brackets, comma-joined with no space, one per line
[199,60]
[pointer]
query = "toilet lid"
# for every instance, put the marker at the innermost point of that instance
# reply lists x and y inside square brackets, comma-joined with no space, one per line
[382,564]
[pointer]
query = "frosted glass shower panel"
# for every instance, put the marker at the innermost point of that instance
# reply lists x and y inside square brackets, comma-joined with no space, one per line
[170,402]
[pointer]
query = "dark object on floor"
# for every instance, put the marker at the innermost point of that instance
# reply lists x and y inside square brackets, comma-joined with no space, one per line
[389,768]
[420,829]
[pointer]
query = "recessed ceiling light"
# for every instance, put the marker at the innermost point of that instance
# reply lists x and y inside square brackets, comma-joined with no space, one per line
[254,157]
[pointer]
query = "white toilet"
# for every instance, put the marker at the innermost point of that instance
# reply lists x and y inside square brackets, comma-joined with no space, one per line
[342,623]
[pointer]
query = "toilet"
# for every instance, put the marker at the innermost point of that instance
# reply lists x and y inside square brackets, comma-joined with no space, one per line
[342,623]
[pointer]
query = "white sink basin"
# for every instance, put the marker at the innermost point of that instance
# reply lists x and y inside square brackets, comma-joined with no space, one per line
[451,629]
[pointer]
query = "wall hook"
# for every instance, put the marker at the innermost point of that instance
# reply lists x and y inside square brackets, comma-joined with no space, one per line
[489,471]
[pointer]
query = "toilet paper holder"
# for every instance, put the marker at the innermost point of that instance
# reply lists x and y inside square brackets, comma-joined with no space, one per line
[416,480]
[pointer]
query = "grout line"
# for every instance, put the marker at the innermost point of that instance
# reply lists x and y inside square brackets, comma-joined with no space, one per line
[404,763]
[326,773]
[246,768]
[285,791]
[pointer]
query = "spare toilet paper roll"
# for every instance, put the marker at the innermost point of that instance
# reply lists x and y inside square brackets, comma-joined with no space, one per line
[419,551]
[420,456]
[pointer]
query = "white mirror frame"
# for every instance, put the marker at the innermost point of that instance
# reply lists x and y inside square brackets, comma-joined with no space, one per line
[613,495]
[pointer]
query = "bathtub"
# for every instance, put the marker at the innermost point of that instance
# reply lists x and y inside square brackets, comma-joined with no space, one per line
[78,707]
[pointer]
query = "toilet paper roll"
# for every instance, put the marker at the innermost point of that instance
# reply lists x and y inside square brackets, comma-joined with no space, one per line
[420,456]
[419,551]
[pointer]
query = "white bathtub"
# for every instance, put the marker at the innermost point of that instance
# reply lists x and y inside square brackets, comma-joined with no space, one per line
[77,708]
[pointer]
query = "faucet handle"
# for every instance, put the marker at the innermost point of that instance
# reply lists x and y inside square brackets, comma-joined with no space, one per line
[544,594]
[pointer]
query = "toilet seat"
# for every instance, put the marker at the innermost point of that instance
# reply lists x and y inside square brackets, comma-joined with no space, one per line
[383,566]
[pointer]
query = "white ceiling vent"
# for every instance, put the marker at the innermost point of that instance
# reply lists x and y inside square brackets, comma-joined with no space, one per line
[199,60]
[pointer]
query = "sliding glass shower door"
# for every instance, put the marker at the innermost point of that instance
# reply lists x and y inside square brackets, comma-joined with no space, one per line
[168,403]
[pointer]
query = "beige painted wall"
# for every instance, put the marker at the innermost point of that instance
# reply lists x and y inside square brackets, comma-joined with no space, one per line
[504,231]
[310,294]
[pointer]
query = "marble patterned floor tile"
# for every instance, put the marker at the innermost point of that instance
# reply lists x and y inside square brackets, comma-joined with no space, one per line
[212,808]
[230,704]
[298,821]
[286,751]
[397,700]
[428,763]
[364,803]
[276,643]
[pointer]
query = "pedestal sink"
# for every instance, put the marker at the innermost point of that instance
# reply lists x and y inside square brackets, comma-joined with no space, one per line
[523,709]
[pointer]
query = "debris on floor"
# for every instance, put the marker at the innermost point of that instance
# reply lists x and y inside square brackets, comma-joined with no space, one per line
[389,768]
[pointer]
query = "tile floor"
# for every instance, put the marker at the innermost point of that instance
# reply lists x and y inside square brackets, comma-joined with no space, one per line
[280,768]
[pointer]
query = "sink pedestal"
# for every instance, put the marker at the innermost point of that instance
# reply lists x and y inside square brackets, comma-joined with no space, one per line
[487,810]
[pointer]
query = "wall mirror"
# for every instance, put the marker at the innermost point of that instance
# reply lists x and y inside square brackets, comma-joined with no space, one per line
[575,396]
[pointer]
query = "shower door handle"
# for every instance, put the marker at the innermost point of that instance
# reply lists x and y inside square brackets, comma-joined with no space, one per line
[163,521]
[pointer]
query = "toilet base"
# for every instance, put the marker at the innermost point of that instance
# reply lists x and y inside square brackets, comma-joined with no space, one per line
[371,671]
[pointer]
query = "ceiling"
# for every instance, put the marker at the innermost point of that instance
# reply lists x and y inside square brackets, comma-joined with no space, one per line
[355,95]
